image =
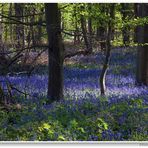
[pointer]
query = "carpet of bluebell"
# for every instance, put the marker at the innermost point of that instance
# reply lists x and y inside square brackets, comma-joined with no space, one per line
[83,115]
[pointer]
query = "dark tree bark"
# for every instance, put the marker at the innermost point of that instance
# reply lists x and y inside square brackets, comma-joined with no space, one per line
[55,53]
[3,60]
[136,28]
[142,51]
[10,25]
[101,35]
[90,29]
[39,35]
[108,51]
[32,20]
[84,32]
[102,30]
[125,30]
[1,28]
[19,27]
[76,32]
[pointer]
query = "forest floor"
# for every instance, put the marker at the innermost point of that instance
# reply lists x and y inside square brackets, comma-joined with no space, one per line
[69,49]
[83,115]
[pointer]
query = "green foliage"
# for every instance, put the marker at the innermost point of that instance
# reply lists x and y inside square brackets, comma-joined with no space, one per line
[83,66]
[63,124]
[136,22]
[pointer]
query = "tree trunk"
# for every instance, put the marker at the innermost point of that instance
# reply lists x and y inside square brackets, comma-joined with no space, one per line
[108,51]
[1,28]
[32,28]
[84,32]
[136,28]
[19,27]
[125,30]
[102,31]
[10,26]
[76,32]
[39,34]
[90,29]
[101,35]
[142,51]
[55,53]
[86,36]
[3,60]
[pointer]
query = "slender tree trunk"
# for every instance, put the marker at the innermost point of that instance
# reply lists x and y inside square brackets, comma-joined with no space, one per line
[3,60]
[76,37]
[125,30]
[1,28]
[102,31]
[108,51]
[137,27]
[90,29]
[11,26]
[55,53]
[101,35]
[32,28]
[84,32]
[142,51]
[75,34]
[22,26]
[19,27]
[39,34]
